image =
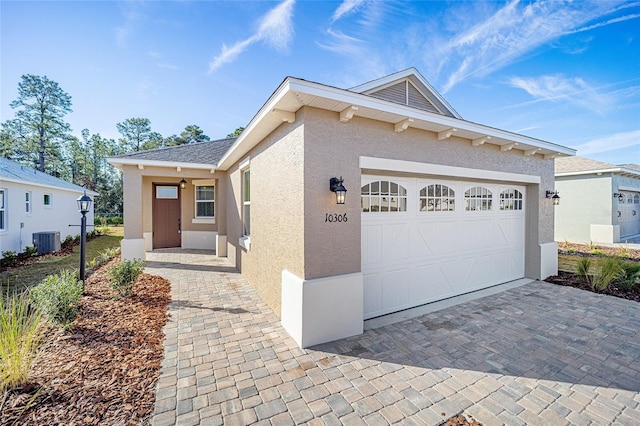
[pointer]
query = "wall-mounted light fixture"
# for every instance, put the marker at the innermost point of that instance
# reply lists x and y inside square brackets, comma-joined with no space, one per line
[335,185]
[619,196]
[554,197]
[183,184]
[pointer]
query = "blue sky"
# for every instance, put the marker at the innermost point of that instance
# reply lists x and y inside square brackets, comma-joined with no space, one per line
[564,72]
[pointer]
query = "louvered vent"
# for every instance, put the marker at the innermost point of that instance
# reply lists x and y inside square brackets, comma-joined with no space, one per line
[405,93]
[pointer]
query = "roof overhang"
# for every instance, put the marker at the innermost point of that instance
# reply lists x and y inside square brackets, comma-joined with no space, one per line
[623,171]
[294,93]
[42,185]
[119,163]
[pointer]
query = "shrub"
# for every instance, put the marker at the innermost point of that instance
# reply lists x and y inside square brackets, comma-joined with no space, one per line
[9,258]
[583,269]
[123,275]
[630,275]
[58,296]
[30,251]
[608,270]
[68,242]
[21,329]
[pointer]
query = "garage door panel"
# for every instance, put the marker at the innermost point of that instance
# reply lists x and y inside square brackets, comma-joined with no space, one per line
[422,255]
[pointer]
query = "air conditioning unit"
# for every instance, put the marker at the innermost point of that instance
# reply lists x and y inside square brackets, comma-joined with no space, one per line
[46,242]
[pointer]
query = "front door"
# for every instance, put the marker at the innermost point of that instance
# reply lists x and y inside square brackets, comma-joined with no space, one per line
[166,216]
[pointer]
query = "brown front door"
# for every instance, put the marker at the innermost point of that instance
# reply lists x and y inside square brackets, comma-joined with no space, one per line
[166,216]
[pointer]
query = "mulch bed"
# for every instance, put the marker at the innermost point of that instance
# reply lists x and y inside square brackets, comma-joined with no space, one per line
[102,370]
[571,280]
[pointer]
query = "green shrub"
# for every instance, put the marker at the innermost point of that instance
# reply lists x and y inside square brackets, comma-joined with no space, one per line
[583,269]
[30,251]
[58,296]
[123,275]
[630,275]
[9,258]
[21,330]
[608,270]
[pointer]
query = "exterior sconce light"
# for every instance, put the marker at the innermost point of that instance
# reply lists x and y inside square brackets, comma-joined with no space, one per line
[183,184]
[84,205]
[619,196]
[554,197]
[335,185]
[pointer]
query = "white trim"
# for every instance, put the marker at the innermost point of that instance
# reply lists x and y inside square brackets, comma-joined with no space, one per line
[40,185]
[548,260]
[386,164]
[629,188]
[204,240]
[618,170]
[323,309]
[204,220]
[245,242]
[115,161]
[245,164]
[221,245]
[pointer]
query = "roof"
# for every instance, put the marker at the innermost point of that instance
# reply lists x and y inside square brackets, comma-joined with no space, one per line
[196,155]
[570,166]
[11,171]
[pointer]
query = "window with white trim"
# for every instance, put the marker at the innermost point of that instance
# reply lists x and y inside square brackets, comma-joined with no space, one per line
[47,200]
[3,211]
[205,201]
[27,202]
[246,202]
[511,199]
[167,192]
[477,198]
[629,199]
[437,198]
[383,196]
[636,199]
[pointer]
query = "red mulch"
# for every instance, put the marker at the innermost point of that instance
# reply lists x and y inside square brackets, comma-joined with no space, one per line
[461,420]
[103,370]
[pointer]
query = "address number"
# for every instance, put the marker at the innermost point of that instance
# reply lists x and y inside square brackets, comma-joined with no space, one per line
[335,217]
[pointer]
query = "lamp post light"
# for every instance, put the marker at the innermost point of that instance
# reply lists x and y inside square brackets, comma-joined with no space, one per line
[84,205]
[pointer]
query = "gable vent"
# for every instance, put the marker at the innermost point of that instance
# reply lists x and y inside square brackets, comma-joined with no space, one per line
[405,93]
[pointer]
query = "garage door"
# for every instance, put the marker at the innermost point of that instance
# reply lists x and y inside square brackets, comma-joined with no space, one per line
[629,214]
[428,239]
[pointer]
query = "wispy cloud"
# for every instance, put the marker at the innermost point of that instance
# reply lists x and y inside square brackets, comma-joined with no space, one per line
[610,143]
[131,12]
[557,88]
[161,62]
[275,29]
[516,30]
[346,8]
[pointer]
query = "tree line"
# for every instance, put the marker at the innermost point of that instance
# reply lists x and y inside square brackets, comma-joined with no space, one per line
[39,137]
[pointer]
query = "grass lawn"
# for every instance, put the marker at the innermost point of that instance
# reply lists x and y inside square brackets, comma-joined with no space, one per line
[29,275]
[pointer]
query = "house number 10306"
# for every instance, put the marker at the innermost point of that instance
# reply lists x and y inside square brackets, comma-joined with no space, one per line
[335,217]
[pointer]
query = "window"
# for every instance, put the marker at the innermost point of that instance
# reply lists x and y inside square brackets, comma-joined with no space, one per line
[205,201]
[27,202]
[167,192]
[246,202]
[437,198]
[629,199]
[3,211]
[511,199]
[477,198]
[383,196]
[48,198]
[636,199]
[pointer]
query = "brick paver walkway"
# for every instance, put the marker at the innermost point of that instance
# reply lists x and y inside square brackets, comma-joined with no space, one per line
[537,354]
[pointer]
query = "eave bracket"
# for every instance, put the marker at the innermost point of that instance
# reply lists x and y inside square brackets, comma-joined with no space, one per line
[403,125]
[287,116]
[446,134]
[347,114]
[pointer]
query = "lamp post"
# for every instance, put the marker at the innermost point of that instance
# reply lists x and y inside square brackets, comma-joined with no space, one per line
[84,204]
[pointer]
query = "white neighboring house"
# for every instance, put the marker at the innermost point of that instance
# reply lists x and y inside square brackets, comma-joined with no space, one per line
[32,201]
[600,201]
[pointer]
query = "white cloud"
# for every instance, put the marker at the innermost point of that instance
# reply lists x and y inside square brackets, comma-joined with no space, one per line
[610,143]
[346,8]
[131,12]
[275,29]
[516,30]
[557,88]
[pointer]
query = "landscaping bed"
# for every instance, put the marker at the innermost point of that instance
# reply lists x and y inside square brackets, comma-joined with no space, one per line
[103,368]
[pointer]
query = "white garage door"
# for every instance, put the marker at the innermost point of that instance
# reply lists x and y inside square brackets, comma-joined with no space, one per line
[629,214]
[428,239]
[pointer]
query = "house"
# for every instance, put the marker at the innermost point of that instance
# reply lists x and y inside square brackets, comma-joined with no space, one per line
[435,206]
[600,201]
[32,201]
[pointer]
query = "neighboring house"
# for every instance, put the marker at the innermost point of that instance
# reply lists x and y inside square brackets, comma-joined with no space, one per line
[32,201]
[436,206]
[600,201]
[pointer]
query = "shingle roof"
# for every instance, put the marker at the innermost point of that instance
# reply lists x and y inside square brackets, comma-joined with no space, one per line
[580,164]
[11,170]
[631,166]
[209,152]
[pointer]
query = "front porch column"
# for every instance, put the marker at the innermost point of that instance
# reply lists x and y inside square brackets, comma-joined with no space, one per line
[132,245]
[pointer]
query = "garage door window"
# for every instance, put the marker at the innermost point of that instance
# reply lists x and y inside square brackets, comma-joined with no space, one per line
[477,198]
[511,199]
[636,199]
[383,196]
[437,198]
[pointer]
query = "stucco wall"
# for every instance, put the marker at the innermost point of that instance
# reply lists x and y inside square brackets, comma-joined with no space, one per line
[584,201]
[277,213]
[333,148]
[57,217]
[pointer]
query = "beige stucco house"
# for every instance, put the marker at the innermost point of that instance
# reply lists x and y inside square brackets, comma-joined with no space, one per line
[435,206]
[600,201]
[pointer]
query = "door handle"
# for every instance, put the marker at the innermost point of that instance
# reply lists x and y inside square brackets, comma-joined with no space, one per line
[179,227]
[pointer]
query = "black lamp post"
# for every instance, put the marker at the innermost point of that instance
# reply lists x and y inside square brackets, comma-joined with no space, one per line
[84,205]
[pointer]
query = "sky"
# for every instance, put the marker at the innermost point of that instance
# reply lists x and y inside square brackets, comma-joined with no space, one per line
[564,72]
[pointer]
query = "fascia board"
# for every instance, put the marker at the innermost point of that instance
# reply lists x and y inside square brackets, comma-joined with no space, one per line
[616,170]
[353,98]
[155,163]
[41,185]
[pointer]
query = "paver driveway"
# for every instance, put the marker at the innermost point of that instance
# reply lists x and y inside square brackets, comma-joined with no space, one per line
[536,354]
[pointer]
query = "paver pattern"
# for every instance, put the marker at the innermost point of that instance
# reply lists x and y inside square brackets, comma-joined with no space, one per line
[536,355]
